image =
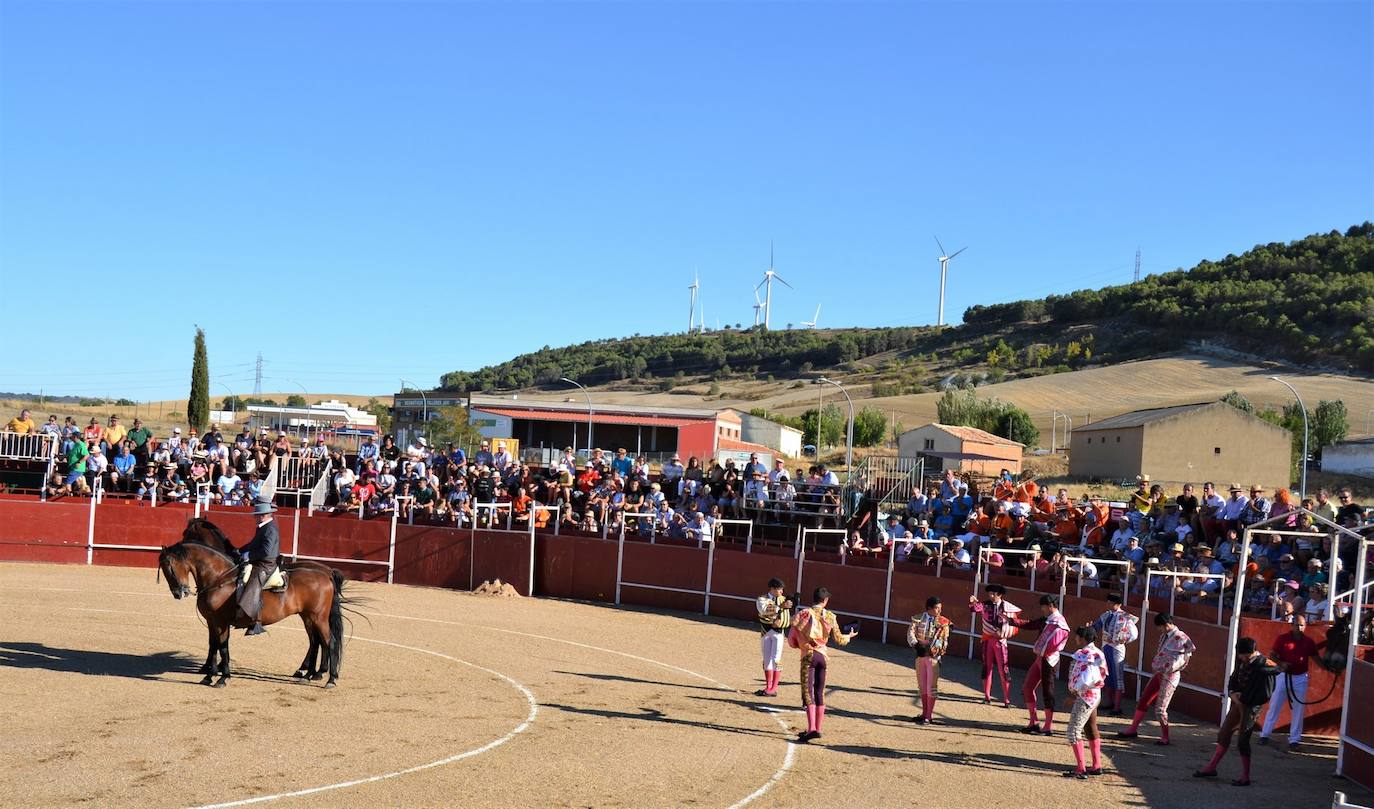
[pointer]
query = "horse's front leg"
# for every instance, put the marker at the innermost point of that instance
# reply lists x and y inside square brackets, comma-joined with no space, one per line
[210,659]
[223,658]
[307,669]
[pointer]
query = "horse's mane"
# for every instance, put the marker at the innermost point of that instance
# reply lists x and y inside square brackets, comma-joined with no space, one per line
[214,530]
[180,549]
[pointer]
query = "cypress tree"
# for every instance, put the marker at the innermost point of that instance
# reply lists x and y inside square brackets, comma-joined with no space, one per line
[198,405]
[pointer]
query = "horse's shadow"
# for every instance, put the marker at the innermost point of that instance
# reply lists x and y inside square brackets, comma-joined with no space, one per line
[96,663]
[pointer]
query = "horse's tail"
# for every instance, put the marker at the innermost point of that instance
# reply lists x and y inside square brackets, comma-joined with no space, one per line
[336,624]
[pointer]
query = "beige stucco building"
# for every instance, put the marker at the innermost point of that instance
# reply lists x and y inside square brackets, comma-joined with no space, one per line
[1196,442]
[964,449]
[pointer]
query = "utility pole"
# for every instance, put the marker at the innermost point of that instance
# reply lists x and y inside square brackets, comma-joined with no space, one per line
[1137,265]
[257,378]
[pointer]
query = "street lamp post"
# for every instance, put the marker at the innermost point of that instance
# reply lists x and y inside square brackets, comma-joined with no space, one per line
[424,404]
[305,395]
[849,439]
[589,413]
[1302,484]
[233,403]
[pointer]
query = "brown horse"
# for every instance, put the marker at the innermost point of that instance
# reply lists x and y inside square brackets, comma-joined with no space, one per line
[314,594]
[200,530]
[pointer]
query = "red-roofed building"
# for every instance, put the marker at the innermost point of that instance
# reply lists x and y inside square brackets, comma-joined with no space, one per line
[963,449]
[656,432]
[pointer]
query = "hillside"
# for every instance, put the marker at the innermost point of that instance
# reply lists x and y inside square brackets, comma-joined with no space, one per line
[1087,395]
[1308,303]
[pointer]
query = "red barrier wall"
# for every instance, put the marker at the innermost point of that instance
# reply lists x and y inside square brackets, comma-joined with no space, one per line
[584,567]
[32,531]
[1323,718]
[1359,765]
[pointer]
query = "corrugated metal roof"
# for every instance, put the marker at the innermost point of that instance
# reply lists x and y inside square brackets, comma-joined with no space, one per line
[975,434]
[1138,418]
[581,417]
[576,401]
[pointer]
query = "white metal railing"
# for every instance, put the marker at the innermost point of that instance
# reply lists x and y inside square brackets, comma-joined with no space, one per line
[642,518]
[296,472]
[808,533]
[749,532]
[1351,658]
[28,446]
[1338,800]
[1079,560]
[493,510]
[319,492]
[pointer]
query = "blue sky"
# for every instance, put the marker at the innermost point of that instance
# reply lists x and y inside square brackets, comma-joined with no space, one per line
[367,191]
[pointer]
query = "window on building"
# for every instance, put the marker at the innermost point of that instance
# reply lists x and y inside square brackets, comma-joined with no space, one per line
[1090,440]
[930,443]
[1216,450]
[1118,439]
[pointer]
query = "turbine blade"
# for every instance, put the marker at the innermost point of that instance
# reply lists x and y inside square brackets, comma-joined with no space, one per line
[942,247]
[760,286]
[960,250]
[783,280]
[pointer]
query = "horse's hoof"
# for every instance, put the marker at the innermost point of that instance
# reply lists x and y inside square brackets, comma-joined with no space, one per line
[221,682]
[301,674]
[208,680]
[317,676]
[330,684]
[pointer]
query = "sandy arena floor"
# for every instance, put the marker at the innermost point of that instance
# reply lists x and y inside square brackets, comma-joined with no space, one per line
[450,699]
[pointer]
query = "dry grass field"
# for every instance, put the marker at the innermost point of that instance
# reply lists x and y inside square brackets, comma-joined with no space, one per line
[1088,395]
[159,416]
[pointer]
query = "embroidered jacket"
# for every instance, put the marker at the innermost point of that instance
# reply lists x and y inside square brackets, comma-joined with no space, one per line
[999,621]
[1175,649]
[1054,633]
[1117,627]
[1088,674]
[931,631]
[772,616]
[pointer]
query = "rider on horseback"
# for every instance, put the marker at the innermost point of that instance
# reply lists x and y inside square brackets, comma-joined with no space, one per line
[262,554]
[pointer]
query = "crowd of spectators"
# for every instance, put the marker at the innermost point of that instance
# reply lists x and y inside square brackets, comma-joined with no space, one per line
[1195,535]
[606,491]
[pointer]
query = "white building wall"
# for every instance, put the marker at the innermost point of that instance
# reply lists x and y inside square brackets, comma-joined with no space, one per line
[1349,459]
[913,442]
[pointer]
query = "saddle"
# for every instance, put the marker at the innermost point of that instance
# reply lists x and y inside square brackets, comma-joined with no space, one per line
[275,583]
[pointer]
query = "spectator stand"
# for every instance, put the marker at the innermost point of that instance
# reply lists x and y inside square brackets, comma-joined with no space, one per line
[938,544]
[1122,563]
[720,532]
[804,534]
[35,448]
[1330,563]
[1338,532]
[640,517]
[202,498]
[494,513]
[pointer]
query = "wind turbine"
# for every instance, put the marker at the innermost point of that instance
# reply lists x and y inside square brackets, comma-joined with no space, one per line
[814,318]
[758,306]
[944,270]
[692,316]
[767,282]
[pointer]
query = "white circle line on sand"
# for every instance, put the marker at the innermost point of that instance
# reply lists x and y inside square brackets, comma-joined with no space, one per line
[521,728]
[778,775]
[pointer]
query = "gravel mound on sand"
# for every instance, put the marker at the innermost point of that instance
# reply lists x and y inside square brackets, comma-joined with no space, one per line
[497,588]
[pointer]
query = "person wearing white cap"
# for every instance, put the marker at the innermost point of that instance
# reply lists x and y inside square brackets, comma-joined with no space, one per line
[501,457]
[671,476]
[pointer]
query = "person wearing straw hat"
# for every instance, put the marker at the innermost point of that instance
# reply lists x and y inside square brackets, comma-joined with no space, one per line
[261,552]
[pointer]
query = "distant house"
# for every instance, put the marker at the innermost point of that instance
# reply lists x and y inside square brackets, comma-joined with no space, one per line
[1194,442]
[963,449]
[1350,458]
[778,437]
